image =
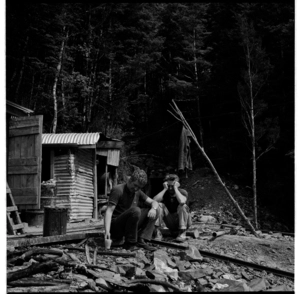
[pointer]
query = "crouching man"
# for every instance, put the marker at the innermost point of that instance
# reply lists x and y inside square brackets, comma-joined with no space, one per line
[125,222]
[173,209]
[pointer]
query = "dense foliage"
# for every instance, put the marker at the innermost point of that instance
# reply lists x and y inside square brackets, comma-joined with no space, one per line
[115,67]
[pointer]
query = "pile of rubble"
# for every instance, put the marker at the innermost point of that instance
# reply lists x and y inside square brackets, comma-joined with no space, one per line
[88,267]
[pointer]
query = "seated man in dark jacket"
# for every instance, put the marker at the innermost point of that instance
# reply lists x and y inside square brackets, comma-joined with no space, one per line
[124,219]
[173,209]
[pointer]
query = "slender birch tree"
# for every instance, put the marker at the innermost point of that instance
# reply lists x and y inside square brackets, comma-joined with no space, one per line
[254,77]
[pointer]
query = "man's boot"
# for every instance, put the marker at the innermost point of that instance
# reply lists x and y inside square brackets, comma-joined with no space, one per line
[157,234]
[182,236]
[141,243]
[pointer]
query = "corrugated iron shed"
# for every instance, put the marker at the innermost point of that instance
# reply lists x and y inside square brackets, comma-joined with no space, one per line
[71,138]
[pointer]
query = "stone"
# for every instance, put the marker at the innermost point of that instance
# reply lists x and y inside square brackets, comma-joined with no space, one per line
[228,277]
[225,269]
[194,274]
[218,274]
[101,281]
[121,270]
[233,286]
[191,254]
[258,284]
[171,264]
[202,281]
[131,272]
[244,274]
[140,273]
[155,275]
[157,288]
[140,256]
[281,288]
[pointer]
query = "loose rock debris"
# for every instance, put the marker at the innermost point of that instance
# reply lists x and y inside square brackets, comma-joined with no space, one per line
[86,266]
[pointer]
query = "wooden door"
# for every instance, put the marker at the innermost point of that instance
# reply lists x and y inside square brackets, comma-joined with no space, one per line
[24,160]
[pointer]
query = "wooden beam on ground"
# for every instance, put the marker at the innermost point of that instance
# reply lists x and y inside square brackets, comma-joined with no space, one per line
[87,229]
[52,239]
[169,244]
[124,254]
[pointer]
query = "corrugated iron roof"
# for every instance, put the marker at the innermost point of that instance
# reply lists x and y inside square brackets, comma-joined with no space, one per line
[71,138]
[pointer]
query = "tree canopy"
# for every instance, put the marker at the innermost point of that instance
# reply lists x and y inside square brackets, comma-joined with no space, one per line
[115,67]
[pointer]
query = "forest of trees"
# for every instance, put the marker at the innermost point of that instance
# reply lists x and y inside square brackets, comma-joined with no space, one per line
[115,67]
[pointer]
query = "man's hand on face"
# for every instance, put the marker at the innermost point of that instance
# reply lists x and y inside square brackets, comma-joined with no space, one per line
[152,213]
[176,184]
[165,184]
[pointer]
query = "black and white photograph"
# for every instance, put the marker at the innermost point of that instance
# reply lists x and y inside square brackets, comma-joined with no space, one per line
[149,147]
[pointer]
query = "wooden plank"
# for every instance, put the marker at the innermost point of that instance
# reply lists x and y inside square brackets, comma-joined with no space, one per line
[31,142]
[24,131]
[87,146]
[19,170]
[32,191]
[11,147]
[10,224]
[113,157]
[51,239]
[23,161]
[19,226]
[27,121]
[14,111]
[17,147]
[11,208]
[24,154]
[26,199]
[38,152]
[110,144]
[102,152]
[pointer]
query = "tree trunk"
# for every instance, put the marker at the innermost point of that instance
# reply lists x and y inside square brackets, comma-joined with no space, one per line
[26,255]
[21,71]
[33,269]
[147,101]
[32,88]
[88,73]
[197,86]
[252,138]
[34,282]
[58,70]
[63,94]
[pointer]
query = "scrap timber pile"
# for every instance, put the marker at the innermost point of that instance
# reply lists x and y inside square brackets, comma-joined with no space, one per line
[213,258]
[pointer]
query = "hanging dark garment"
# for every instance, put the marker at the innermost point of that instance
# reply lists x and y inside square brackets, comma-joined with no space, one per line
[184,159]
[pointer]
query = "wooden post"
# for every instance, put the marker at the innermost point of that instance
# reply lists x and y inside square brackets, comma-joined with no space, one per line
[95,214]
[106,179]
[52,164]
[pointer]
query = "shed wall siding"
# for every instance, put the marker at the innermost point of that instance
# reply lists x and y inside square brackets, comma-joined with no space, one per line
[74,174]
[113,157]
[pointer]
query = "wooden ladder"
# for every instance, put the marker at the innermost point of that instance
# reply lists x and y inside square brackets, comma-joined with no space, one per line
[14,224]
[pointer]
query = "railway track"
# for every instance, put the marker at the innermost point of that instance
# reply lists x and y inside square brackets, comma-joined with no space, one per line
[275,271]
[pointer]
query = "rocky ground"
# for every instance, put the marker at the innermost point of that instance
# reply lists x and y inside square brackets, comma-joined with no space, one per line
[208,196]
[86,266]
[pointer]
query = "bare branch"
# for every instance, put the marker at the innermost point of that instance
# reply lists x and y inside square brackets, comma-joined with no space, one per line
[267,150]
[174,115]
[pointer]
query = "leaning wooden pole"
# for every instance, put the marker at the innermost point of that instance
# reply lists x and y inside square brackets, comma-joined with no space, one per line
[180,117]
